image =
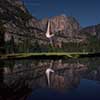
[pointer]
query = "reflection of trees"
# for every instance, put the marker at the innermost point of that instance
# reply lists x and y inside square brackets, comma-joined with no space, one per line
[93,72]
[98,73]
[1,72]
[9,65]
[17,91]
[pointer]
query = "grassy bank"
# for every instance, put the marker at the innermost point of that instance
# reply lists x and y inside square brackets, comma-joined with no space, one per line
[44,54]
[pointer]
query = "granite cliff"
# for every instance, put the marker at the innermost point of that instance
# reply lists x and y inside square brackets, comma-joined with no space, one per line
[21,32]
[93,30]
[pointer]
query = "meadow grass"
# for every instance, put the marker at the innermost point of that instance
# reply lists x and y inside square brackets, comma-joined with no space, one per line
[25,55]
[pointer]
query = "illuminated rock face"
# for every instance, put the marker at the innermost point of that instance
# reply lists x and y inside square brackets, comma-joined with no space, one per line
[62,28]
[68,26]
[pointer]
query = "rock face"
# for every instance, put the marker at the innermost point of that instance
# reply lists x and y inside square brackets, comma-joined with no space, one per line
[19,4]
[92,31]
[15,18]
[64,28]
[68,26]
[22,32]
[16,22]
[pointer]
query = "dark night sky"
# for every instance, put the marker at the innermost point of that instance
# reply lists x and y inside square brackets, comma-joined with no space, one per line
[87,12]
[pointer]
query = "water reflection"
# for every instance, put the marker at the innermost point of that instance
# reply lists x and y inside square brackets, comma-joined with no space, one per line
[19,78]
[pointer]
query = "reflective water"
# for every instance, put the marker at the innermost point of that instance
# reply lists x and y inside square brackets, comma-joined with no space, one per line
[87,90]
[72,79]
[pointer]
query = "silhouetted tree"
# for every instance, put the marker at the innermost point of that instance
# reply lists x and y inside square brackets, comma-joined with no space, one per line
[2,30]
[37,47]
